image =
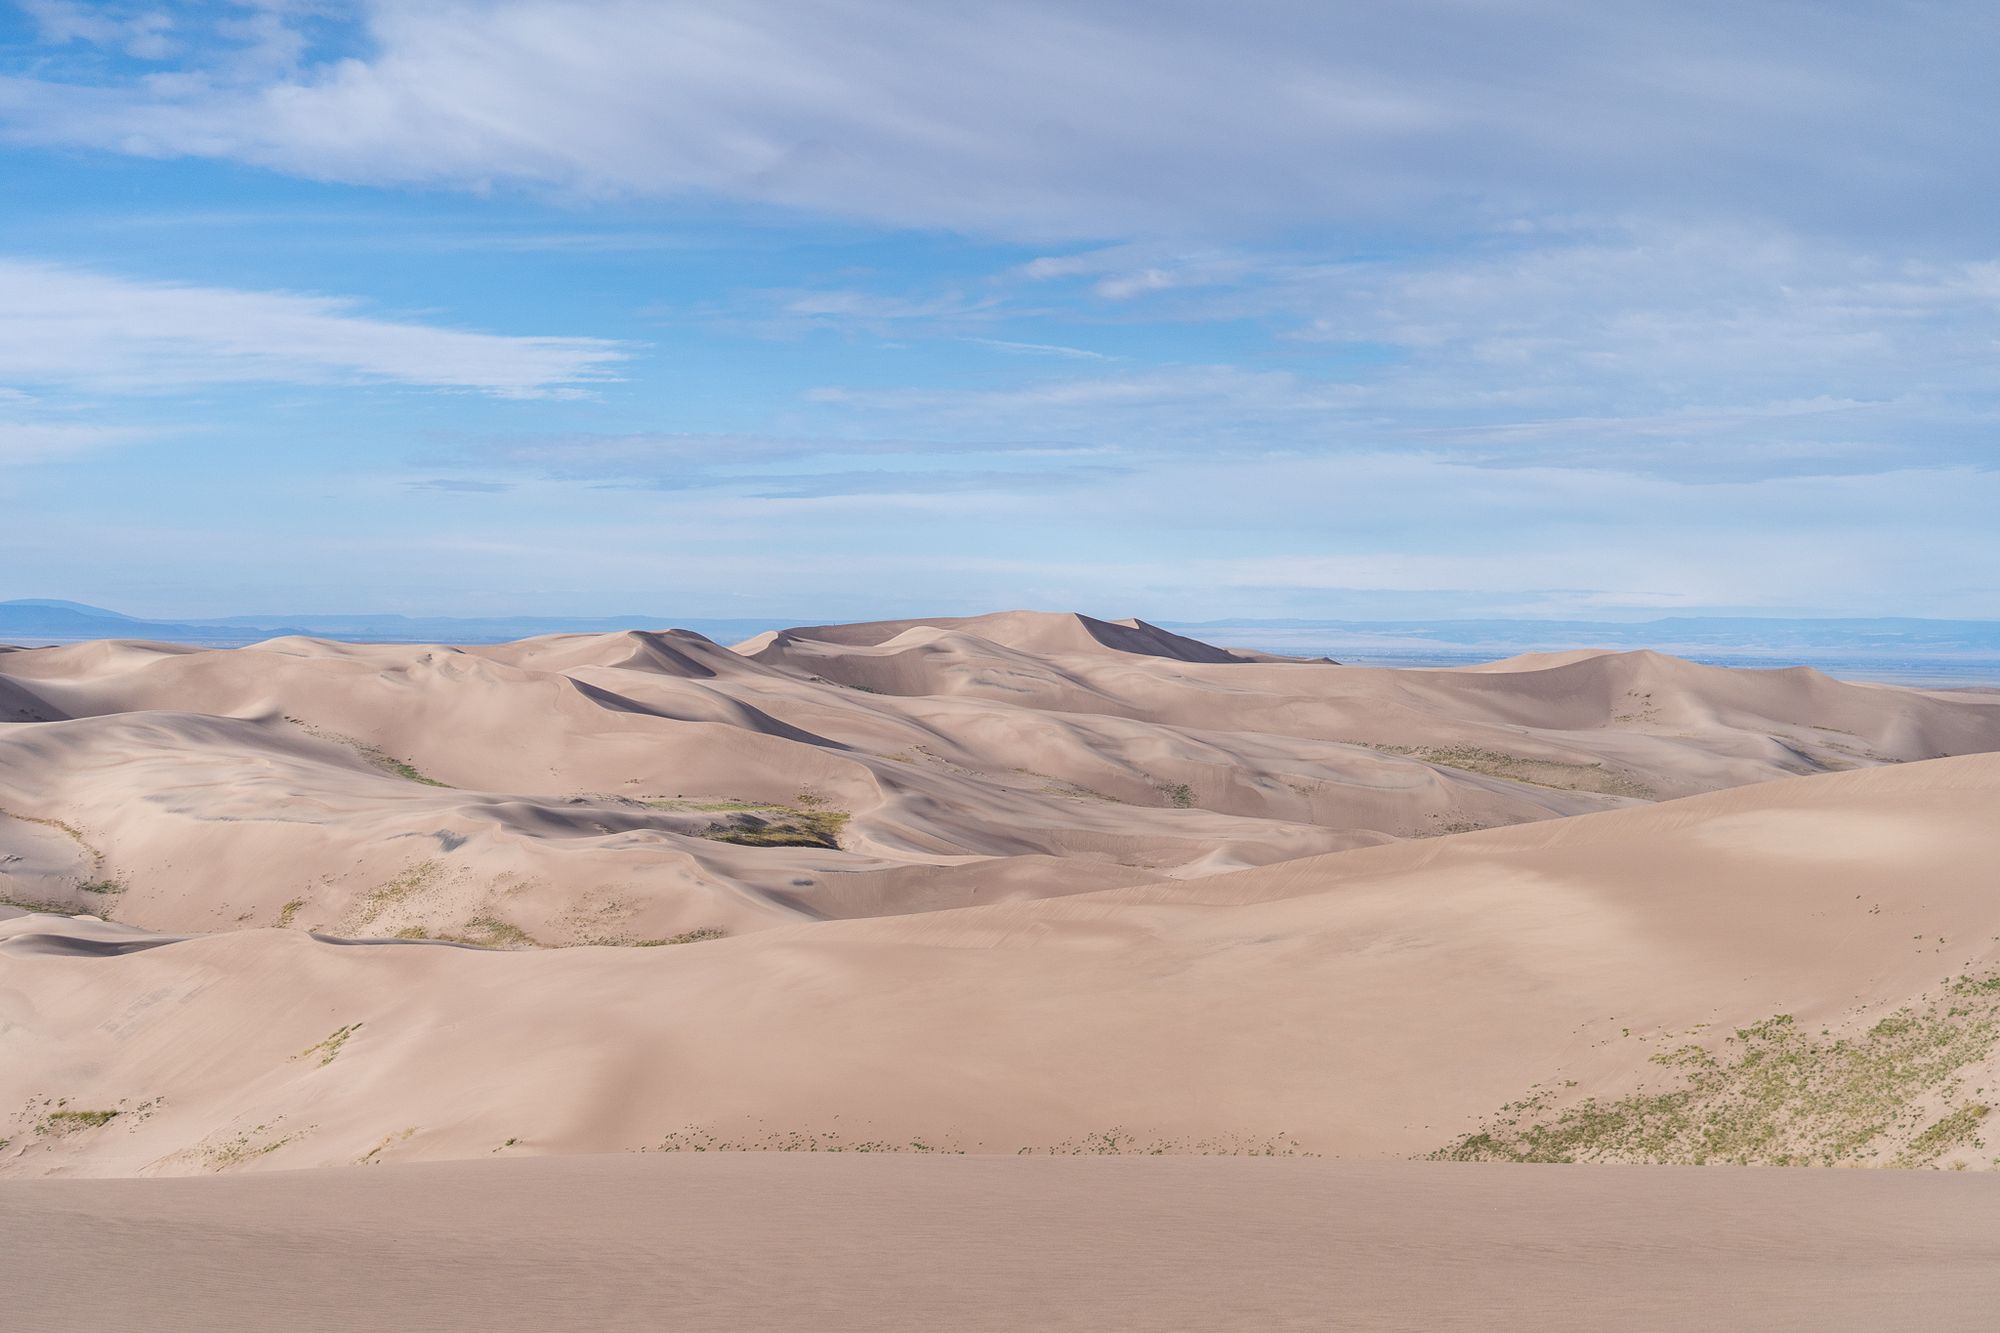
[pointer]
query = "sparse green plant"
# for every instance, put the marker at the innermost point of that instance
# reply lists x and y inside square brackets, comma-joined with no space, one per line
[36,905]
[244,1148]
[494,932]
[412,883]
[1959,1129]
[1179,794]
[289,913]
[410,773]
[1116,1141]
[66,1121]
[1559,774]
[810,823]
[695,936]
[388,1140]
[328,1048]
[74,833]
[372,755]
[1774,1094]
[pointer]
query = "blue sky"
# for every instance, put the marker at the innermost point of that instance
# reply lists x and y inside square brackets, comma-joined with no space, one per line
[1456,307]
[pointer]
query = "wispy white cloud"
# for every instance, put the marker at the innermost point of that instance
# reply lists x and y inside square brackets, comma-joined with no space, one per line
[1384,535]
[72,327]
[144,33]
[1043,349]
[1046,405]
[1194,119]
[1693,350]
[1146,268]
[770,467]
[42,441]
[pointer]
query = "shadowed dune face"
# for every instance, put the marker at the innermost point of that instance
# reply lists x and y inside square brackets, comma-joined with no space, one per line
[1015,883]
[630,787]
[1798,971]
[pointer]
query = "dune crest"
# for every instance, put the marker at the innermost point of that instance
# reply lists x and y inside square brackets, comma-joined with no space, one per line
[641,785]
[1001,899]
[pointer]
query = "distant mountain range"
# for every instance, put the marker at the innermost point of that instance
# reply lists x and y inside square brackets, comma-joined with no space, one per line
[40,620]
[1682,635]
[1713,638]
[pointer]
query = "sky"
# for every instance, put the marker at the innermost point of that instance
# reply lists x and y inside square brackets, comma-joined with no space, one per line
[847,308]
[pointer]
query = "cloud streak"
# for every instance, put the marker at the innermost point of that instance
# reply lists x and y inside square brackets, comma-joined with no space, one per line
[44,441]
[1196,119]
[1716,352]
[771,467]
[76,328]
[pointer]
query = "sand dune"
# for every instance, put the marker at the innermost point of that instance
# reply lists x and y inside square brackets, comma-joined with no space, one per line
[630,787]
[1382,1002]
[1146,931]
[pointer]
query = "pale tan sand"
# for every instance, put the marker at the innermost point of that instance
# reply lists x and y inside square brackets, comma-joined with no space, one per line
[1375,1003]
[879,1243]
[1023,943]
[1005,756]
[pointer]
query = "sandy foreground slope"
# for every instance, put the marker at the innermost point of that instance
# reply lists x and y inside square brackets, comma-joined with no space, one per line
[724,1242]
[1624,973]
[625,788]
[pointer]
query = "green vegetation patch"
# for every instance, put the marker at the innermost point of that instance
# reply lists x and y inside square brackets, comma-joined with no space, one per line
[66,1121]
[102,885]
[409,773]
[245,1148]
[34,905]
[1179,795]
[1553,773]
[330,1047]
[492,932]
[807,822]
[387,1141]
[412,883]
[372,755]
[74,833]
[695,936]
[731,806]
[1959,1129]
[1121,1142]
[289,913]
[1776,1095]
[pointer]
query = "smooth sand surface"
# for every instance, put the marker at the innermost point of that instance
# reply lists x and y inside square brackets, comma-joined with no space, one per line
[1081,890]
[1382,1002]
[568,789]
[879,1243]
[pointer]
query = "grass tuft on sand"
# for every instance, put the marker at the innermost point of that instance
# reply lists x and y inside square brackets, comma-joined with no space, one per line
[695,936]
[807,822]
[328,1048]
[1774,1094]
[1553,773]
